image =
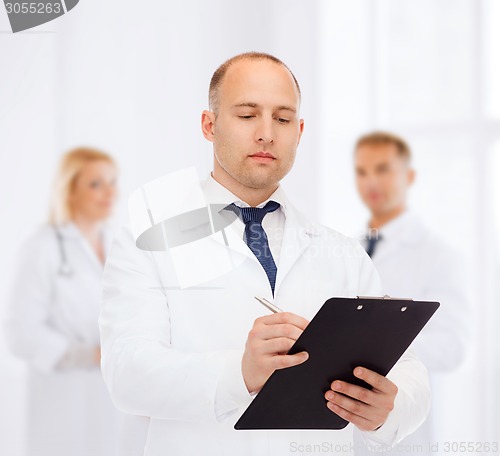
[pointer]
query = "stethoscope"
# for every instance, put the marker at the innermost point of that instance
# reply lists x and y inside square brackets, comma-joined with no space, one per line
[65,269]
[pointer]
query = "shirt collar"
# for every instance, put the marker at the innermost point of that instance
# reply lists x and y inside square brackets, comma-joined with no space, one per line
[216,193]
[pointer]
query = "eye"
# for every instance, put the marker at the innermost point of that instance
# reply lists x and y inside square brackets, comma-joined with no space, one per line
[283,121]
[95,184]
[246,117]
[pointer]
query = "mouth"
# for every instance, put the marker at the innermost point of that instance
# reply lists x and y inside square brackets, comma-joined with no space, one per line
[263,156]
[374,197]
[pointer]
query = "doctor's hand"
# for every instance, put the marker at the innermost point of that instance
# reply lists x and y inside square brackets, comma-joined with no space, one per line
[366,409]
[268,342]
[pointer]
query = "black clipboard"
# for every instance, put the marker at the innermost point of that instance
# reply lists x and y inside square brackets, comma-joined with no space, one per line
[345,333]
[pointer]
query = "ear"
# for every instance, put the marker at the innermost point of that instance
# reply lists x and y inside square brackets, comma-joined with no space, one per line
[301,130]
[411,176]
[207,125]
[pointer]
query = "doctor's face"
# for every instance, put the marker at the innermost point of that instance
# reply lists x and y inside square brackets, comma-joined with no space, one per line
[382,177]
[94,191]
[256,129]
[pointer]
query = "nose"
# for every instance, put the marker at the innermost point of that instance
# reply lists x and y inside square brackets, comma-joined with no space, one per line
[265,131]
[372,184]
[110,191]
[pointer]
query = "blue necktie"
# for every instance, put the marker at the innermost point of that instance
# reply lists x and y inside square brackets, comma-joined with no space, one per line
[371,244]
[255,236]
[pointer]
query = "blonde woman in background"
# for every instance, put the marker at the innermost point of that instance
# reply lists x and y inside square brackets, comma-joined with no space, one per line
[53,310]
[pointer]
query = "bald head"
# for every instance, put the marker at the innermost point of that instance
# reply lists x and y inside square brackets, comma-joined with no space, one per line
[219,75]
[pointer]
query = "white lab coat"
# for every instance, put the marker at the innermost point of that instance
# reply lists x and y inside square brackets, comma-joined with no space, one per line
[414,262]
[175,354]
[70,412]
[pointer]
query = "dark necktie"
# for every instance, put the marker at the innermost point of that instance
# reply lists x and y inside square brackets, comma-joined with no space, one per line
[371,244]
[255,236]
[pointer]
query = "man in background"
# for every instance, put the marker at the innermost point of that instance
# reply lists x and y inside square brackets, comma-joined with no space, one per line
[413,262]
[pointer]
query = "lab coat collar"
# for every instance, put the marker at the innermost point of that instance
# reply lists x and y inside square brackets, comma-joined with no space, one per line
[403,228]
[403,231]
[296,239]
[70,232]
[298,231]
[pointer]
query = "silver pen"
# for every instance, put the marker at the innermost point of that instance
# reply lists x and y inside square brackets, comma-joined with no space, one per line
[268,304]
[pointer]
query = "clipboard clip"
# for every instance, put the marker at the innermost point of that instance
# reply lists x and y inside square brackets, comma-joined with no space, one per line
[384,297]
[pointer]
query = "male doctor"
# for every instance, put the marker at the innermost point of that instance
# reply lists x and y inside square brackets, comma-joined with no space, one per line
[193,358]
[412,262]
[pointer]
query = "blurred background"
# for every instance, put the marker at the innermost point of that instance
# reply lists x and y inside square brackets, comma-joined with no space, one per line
[131,78]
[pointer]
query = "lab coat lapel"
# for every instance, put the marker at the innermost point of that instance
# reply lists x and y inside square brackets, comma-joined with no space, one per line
[209,257]
[296,239]
[387,248]
[70,232]
[406,232]
[238,245]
